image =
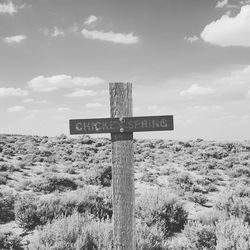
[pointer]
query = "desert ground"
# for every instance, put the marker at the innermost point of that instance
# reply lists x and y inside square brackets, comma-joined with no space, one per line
[55,193]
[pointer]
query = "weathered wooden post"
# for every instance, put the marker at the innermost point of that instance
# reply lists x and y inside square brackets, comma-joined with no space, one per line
[123,169]
[121,125]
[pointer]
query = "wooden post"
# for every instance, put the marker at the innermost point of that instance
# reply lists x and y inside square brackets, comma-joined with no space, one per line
[122,169]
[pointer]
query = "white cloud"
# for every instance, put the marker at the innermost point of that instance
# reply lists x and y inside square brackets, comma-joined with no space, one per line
[248,94]
[62,109]
[15,39]
[15,109]
[8,8]
[245,2]
[28,100]
[237,77]
[202,109]
[225,3]
[229,31]
[221,3]
[55,32]
[191,39]
[196,90]
[82,93]
[91,19]
[110,36]
[47,84]
[9,92]
[42,102]
[94,105]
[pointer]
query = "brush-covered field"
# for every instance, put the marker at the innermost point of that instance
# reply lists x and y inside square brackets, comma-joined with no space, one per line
[55,194]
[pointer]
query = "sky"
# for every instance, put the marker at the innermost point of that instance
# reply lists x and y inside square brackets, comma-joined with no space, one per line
[186,58]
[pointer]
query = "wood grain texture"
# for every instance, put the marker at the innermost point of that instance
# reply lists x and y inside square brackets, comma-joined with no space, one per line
[122,170]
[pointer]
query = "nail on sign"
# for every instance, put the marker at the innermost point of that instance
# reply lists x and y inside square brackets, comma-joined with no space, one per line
[120,125]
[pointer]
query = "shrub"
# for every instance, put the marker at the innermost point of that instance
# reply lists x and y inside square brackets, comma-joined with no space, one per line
[97,204]
[148,238]
[26,211]
[3,180]
[100,176]
[201,236]
[240,171]
[74,232]
[234,205]
[198,198]
[6,207]
[54,183]
[210,217]
[31,211]
[70,170]
[215,152]
[184,181]
[156,208]
[179,242]
[4,166]
[233,234]
[9,241]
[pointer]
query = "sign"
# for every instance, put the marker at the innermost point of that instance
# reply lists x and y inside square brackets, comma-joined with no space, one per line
[121,125]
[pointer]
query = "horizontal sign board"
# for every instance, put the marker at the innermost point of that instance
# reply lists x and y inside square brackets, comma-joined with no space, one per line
[118,125]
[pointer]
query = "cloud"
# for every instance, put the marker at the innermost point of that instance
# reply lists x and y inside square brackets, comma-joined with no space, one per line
[28,100]
[55,32]
[110,36]
[8,8]
[47,84]
[225,3]
[206,109]
[15,109]
[10,92]
[237,77]
[42,102]
[15,39]
[221,3]
[191,39]
[94,105]
[91,19]
[229,31]
[61,110]
[196,90]
[82,93]
[248,94]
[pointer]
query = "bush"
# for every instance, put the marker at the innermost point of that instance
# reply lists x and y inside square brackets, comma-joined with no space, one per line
[9,241]
[100,176]
[54,183]
[4,166]
[3,180]
[31,211]
[6,207]
[85,232]
[156,208]
[74,232]
[240,171]
[233,234]
[70,170]
[184,181]
[199,199]
[148,238]
[210,217]
[215,152]
[201,236]
[235,205]
[26,211]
